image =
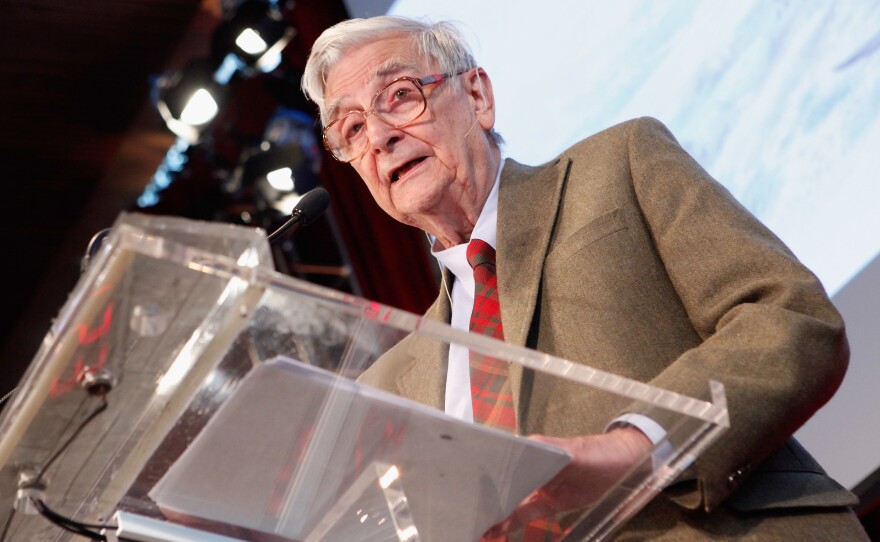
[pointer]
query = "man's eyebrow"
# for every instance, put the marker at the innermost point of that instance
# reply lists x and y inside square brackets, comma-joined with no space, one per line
[393,66]
[330,110]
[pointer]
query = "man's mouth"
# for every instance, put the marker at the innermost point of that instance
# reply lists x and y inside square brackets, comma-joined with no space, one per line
[397,173]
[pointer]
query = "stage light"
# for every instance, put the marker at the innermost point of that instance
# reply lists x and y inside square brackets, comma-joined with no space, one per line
[252,36]
[281,179]
[250,42]
[280,173]
[189,99]
[200,109]
[284,165]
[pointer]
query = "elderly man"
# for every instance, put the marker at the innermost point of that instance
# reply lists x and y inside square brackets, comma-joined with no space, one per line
[622,253]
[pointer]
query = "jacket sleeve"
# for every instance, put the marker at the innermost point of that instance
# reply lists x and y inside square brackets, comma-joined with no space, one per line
[769,331]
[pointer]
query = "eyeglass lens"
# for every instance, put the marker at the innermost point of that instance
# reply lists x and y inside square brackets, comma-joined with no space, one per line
[398,104]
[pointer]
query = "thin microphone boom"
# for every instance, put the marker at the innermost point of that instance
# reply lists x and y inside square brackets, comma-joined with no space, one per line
[310,206]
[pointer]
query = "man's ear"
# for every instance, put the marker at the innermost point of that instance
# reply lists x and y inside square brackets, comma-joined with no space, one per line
[479,88]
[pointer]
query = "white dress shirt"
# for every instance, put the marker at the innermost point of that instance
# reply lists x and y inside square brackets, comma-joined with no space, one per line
[458,381]
[458,377]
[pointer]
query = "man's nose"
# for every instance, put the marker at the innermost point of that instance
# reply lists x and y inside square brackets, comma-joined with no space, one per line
[381,135]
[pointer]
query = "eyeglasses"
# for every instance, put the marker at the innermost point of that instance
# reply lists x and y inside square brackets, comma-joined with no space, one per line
[398,105]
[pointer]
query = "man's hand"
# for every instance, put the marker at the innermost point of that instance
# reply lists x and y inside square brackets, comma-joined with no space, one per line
[598,463]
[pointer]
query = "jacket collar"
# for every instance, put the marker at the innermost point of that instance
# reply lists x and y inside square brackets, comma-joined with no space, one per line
[426,375]
[528,201]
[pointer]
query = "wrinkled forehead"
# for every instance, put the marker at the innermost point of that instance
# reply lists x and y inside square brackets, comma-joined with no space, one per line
[364,69]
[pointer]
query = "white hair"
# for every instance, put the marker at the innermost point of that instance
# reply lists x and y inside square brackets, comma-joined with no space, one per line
[441,42]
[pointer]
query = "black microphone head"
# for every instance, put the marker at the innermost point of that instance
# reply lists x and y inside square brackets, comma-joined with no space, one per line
[312,205]
[307,209]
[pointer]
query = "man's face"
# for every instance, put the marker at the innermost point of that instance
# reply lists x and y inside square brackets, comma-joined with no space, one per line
[419,170]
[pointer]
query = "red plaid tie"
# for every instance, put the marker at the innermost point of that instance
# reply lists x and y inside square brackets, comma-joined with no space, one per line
[490,387]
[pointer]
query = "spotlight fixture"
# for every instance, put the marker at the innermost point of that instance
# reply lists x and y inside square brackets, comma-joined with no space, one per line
[282,167]
[281,173]
[252,37]
[189,99]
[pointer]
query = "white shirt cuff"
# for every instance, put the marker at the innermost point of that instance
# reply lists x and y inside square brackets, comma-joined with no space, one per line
[663,450]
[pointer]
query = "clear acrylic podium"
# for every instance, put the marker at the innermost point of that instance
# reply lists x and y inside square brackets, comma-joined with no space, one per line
[187,391]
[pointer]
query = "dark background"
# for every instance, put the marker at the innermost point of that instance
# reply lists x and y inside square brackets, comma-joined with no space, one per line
[80,140]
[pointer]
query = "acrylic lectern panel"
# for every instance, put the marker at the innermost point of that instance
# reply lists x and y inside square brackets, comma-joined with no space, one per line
[188,384]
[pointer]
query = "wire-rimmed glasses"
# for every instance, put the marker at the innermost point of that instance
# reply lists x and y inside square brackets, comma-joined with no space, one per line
[398,104]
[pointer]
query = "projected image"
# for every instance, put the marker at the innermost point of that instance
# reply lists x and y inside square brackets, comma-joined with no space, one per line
[779,103]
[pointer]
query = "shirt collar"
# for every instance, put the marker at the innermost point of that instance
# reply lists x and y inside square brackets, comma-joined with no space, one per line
[486,229]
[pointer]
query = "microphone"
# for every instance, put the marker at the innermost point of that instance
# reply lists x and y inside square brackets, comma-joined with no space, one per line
[308,208]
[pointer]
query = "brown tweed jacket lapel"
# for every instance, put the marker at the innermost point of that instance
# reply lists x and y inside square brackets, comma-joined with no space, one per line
[525,191]
[528,201]
[425,376]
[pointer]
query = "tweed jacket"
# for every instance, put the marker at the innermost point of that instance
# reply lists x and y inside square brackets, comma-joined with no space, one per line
[625,255]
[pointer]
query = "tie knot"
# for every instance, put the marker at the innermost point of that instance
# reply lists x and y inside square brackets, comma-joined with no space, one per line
[479,253]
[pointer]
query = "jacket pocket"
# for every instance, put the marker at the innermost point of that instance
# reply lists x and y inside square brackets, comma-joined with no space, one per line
[594,230]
